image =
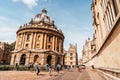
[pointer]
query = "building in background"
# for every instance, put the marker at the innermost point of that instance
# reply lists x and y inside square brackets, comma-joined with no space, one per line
[71,56]
[106,22]
[5,53]
[89,50]
[39,41]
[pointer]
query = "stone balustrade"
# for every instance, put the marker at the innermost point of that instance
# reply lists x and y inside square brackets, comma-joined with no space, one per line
[110,73]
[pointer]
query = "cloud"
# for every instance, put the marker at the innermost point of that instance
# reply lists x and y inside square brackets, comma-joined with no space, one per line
[8,31]
[29,3]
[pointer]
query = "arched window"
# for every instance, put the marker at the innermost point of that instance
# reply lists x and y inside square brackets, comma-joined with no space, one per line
[23,59]
[36,58]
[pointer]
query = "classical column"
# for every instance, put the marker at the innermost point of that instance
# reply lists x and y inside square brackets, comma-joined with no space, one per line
[22,45]
[41,39]
[31,41]
[34,41]
[24,41]
[53,45]
[45,41]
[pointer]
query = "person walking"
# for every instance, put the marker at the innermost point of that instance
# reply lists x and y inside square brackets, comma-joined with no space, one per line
[58,67]
[37,68]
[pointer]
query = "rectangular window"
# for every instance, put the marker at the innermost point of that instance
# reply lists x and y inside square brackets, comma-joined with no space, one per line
[71,58]
[28,37]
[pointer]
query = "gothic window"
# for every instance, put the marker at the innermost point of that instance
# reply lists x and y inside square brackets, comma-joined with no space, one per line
[28,37]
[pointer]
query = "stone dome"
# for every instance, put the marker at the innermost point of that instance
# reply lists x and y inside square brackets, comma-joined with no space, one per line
[42,17]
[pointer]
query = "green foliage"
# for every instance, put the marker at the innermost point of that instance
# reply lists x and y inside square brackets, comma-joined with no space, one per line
[6,67]
[12,46]
[12,67]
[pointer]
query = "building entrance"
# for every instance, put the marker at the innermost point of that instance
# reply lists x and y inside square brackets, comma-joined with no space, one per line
[49,58]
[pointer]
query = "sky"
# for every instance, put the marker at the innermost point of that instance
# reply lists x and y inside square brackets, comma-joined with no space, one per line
[73,17]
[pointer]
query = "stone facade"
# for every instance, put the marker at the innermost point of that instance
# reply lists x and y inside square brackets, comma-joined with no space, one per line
[71,57]
[89,49]
[106,22]
[5,54]
[39,41]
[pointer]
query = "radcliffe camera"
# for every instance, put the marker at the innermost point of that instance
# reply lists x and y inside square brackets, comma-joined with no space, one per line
[59,40]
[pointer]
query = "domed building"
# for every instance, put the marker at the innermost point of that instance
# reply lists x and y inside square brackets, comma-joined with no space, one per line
[39,41]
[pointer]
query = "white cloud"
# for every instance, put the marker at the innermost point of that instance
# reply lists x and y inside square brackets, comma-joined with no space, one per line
[29,3]
[8,28]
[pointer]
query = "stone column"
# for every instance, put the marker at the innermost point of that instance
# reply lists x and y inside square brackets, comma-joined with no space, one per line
[41,43]
[27,59]
[31,41]
[34,41]
[53,43]
[24,40]
[45,41]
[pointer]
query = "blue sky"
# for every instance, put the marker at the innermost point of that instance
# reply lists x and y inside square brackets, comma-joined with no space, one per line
[73,17]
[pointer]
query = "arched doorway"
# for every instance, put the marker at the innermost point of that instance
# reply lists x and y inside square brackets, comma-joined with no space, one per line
[58,60]
[14,59]
[36,57]
[49,58]
[22,59]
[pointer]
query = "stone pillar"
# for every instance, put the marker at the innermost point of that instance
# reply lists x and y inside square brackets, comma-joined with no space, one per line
[53,45]
[27,59]
[34,41]
[42,40]
[45,41]
[31,41]
[24,40]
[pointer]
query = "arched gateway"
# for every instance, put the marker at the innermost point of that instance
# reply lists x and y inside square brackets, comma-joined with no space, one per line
[38,40]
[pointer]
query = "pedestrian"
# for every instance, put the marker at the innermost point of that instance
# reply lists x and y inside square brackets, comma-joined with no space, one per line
[58,67]
[16,66]
[47,67]
[37,68]
[80,68]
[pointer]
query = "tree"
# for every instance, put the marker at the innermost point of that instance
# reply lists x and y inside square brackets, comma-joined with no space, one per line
[12,46]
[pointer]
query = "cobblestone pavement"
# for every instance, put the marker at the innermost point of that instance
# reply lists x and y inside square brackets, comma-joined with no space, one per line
[73,75]
[87,74]
[23,75]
